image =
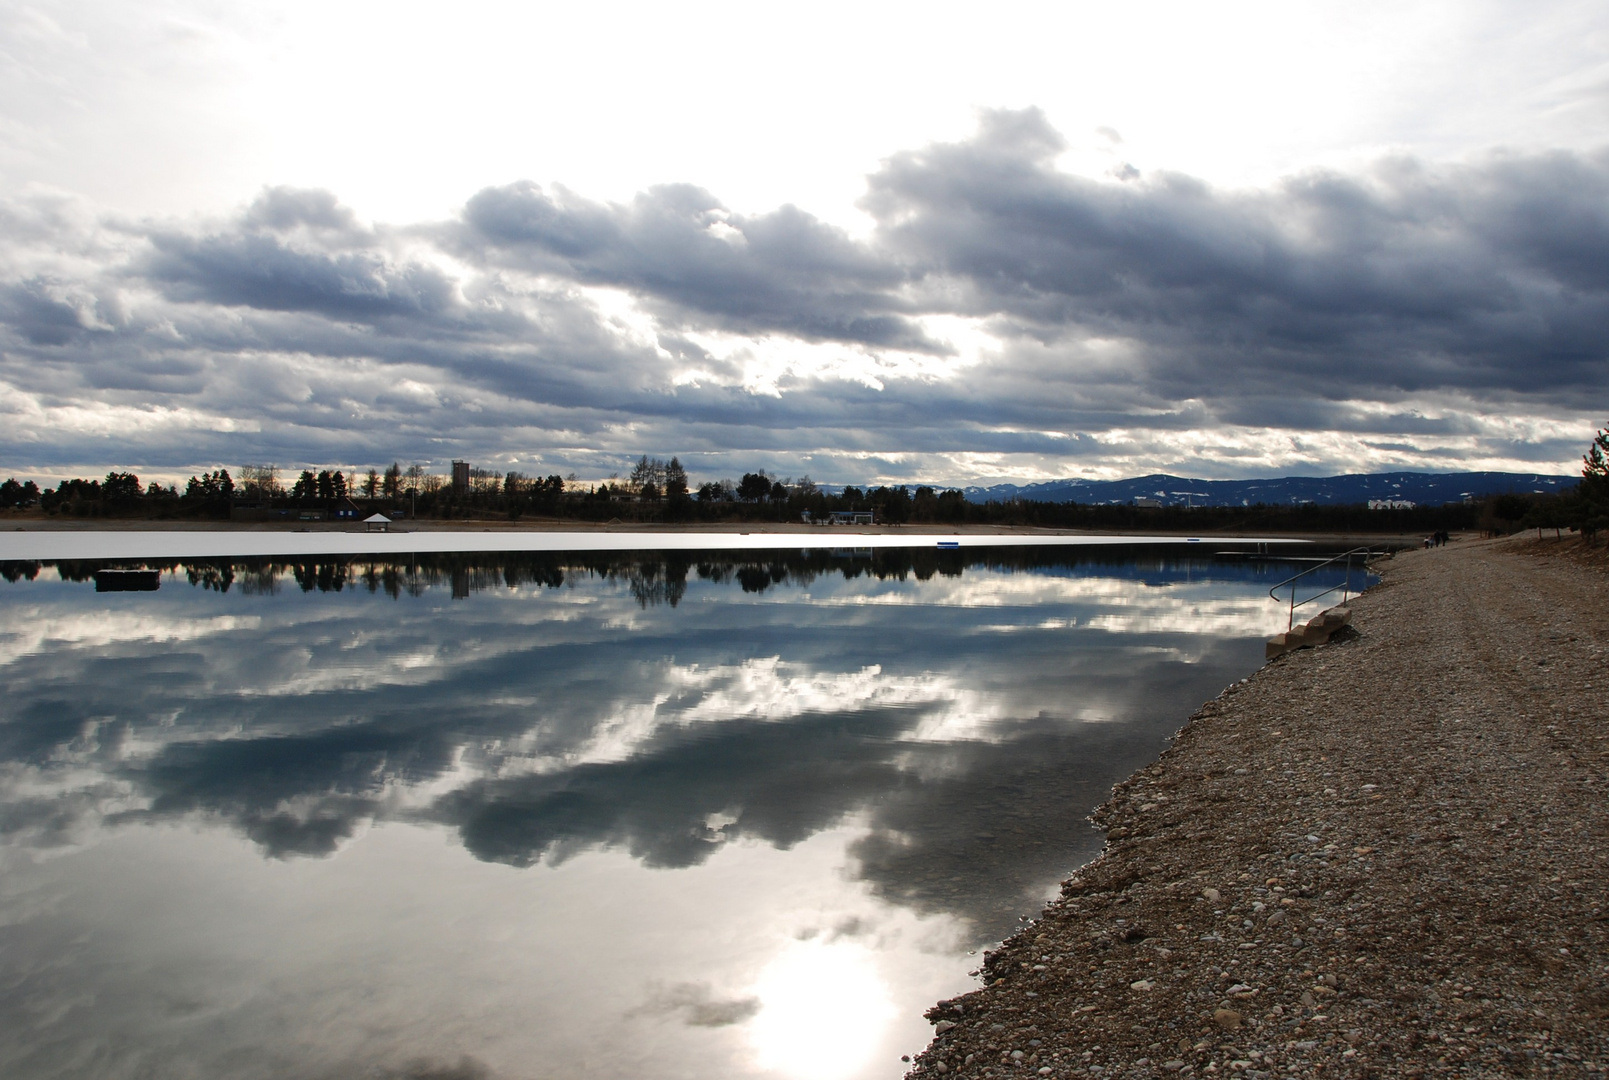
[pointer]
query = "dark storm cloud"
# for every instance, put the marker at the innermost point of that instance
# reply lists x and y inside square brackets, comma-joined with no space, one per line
[41,318]
[779,272]
[262,272]
[1486,277]
[1408,302]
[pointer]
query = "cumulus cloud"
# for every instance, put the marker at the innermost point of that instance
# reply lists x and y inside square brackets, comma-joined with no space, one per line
[1000,318]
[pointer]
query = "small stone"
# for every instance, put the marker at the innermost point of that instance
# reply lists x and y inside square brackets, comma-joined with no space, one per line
[941,1067]
[1143,984]
[1308,999]
[1017,1055]
[1044,1070]
[1227,1019]
[1276,918]
[942,1026]
[1172,1066]
[1211,895]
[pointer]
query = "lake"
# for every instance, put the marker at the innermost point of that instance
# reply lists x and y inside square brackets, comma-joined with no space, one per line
[651,815]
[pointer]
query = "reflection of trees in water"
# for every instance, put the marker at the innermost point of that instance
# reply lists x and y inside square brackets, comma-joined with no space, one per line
[660,578]
[971,827]
[216,577]
[652,584]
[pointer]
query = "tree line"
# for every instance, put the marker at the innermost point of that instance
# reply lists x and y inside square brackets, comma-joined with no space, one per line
[661,491]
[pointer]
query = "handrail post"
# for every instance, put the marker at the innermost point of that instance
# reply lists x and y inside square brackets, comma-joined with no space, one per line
[1345,587]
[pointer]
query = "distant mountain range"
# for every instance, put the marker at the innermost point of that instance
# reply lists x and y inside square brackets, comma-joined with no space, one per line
[1419,488]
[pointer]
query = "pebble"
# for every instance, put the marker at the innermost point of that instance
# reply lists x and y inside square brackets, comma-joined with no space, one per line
[1441,919]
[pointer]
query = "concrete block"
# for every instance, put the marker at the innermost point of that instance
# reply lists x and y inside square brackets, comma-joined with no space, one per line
[1316,631]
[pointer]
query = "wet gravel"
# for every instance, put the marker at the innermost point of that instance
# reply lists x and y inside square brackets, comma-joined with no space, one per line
[1386,856]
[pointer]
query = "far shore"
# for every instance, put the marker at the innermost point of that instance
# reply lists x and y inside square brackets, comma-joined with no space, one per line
[134,545]
[37,538]
[57,523]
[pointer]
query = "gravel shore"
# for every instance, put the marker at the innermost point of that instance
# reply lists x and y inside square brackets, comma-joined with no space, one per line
[1382,857]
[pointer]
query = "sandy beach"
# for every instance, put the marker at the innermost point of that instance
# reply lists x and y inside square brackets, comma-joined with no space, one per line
[1382,857]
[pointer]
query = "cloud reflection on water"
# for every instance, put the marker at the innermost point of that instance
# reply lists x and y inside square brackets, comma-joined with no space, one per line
[732,772]
[623,702]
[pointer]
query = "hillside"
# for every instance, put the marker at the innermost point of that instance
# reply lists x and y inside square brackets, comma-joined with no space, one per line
[1420,488]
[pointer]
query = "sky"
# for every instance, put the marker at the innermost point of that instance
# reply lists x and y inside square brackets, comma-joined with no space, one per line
[885,243]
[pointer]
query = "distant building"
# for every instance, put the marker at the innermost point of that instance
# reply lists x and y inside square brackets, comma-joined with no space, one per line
[460,478]
[1146,500]
[849,517]
[1390,504]
[346,509]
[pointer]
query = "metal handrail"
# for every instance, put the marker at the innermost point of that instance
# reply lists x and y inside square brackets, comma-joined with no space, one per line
[1345,586]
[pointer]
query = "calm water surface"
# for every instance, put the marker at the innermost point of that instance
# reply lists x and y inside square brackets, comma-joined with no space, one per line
[563,816]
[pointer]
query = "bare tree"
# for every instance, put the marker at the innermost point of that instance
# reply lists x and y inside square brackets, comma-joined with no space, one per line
[260,482]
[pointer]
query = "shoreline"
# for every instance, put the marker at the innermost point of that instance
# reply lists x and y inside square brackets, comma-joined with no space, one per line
[1386,856]
[46,540]
[135,546]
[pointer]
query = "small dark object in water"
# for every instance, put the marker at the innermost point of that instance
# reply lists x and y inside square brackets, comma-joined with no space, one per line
[127,580]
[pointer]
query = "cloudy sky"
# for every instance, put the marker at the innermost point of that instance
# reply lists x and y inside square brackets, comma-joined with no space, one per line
[866,243]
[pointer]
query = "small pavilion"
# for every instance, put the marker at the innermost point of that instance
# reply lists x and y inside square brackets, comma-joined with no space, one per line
[377,523]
